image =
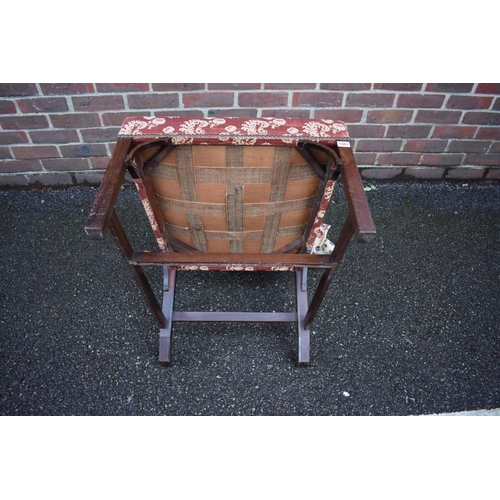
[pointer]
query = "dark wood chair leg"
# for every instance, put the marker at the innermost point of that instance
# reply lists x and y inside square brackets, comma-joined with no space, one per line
[165,356]
[302,330]
[126,248]
[338,252]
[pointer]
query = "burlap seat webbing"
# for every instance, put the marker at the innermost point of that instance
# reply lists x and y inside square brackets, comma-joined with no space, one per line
[245,176]
[185,172]
[234,197]
[253,202]
[279,178]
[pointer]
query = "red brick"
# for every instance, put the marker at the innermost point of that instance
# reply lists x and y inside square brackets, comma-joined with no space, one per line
[365,158]
[98,102]
[423,146]
[83,150]
[494,173]
[54,136]
[68,164]
[345,86]
[7,107]
[180,112]
[105,134]
[398,159]
[13,180]
[262,99]
[23,122]
[317,99]
[43,104]
[380,173]
[240,112]
[289,86]
[150,101]
[17,89]
[13,137]
[75,120]
[116,119]
[370,100]
[233,86]
[496,106]
[488,133]
[50,179]
[488,88]
[408,87]
[449,87]
[5,154]
[359,131]
[420,100]
[454,132]
[122,87]
[469,146]
[342,114]
[465,173]
[66,88]
[389,116]
[286,113]
[490,160]
[377,145]
[482,118]
[8,166]
[100,163]
[22,152]
[432,116]
[442,159]
[409,131]
[205,100]
[92,178]
[181,87]
[425,172]
[469,102]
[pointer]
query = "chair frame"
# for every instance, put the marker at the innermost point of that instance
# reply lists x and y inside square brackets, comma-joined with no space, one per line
[358,223]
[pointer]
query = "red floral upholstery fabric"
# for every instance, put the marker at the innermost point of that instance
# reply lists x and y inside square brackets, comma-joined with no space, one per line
[236,131]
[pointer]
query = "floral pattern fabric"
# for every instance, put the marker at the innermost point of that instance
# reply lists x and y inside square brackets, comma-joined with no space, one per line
[322,245]
[222,267]
[234,131]
[318,230]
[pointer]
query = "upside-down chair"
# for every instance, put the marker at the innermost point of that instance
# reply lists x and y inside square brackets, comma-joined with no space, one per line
[233,194]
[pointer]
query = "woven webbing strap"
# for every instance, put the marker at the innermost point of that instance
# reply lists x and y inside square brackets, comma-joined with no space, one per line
[238,236]
[185,172]
[219,209]
[234,197]
[279,178]
[252,175]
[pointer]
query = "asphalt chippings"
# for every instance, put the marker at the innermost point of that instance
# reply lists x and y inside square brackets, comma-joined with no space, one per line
[410,324]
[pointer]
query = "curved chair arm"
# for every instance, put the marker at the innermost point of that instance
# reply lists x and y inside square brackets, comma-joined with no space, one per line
[102,210]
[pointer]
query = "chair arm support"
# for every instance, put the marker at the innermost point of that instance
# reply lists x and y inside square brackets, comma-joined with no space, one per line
[100,215]
[364,228]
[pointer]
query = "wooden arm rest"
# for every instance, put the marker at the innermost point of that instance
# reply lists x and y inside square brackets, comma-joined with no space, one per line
[100,215]
[364,228]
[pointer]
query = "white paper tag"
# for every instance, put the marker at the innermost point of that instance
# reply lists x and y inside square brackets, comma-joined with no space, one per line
[343,144]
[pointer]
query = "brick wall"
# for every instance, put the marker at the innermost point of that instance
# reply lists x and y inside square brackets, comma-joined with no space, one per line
[63,133]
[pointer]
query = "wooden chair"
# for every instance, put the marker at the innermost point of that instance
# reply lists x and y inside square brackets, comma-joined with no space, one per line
[234,194]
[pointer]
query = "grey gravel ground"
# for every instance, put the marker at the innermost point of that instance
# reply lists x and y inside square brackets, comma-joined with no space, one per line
[410,326]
